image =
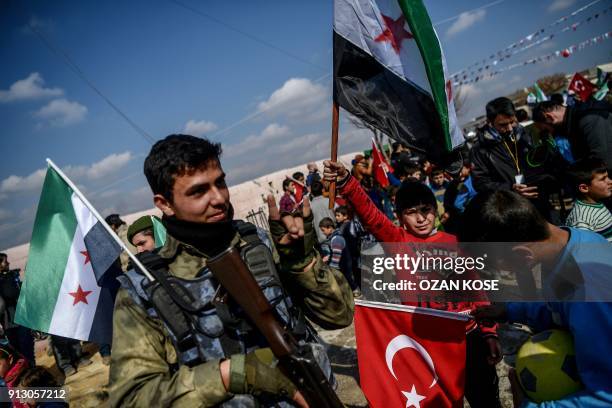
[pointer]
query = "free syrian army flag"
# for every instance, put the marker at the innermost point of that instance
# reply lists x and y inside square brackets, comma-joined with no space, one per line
[539,93]
[69,288]
[389,70]
[410,356]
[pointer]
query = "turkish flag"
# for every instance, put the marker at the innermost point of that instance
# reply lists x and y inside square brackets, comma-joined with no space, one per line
[410,356]
[581,86]
[380,166]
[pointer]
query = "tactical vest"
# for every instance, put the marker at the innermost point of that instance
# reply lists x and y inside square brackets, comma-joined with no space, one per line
[208,325]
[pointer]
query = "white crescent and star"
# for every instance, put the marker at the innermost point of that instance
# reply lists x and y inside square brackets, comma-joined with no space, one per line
[413,399]
[401,342]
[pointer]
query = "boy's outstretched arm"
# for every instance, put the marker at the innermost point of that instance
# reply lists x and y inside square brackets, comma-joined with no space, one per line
[372,219]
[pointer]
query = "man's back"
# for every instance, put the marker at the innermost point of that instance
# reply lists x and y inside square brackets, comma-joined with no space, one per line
[320,209]
[589,129]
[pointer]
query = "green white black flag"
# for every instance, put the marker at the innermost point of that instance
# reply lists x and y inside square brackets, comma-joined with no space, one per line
[389,70]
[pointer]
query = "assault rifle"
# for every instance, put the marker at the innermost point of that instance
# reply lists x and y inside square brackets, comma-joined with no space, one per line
[295,360]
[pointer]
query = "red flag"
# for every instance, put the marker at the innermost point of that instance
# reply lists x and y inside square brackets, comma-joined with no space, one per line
[410,356]
[581,86]
[380,166]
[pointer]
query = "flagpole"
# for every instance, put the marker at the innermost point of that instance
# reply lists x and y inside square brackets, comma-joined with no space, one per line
[414,309]
[334,151]
[100,219]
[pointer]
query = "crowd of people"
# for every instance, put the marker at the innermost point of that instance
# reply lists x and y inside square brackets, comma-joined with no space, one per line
[514,184]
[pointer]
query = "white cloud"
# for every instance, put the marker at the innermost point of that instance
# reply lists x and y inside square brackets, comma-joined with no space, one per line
[297,98]
[465,21]
[108,165]
[259,142]
[62,112]
[558,5]
[200,128]
[105,167]
[274,130]
[125,202]
[293,151]
[15,184]
[29,88]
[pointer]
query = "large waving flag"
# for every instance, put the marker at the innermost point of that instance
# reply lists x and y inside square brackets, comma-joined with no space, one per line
[410,356]
[70,286]
[389,70]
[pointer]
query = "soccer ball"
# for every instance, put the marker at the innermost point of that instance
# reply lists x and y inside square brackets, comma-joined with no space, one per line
[546,366]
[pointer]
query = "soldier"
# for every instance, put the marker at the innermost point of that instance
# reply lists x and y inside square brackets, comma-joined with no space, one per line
[226,361]
[141,235]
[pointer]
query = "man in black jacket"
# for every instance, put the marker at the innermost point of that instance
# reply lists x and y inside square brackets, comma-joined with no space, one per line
[500,158]
[588,126]
[499,154]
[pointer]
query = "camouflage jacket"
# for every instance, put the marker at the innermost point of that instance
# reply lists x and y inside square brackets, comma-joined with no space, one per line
[143,363]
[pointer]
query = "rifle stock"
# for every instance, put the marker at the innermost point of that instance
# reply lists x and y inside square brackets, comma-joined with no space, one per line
[296,361]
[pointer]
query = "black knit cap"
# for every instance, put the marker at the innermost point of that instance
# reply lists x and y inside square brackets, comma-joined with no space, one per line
[411,194]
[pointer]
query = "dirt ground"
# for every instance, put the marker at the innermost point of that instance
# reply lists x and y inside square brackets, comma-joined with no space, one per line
[88,387]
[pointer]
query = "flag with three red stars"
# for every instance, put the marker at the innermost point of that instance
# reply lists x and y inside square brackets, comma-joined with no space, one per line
[410,357]
[69,286]
[389,71]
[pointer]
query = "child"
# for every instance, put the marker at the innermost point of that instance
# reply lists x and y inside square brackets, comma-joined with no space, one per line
[416,209]
[353,233]
[334,250]
[504,216]
[12,367]
[590,179]
[412,173]
[438,184]
[288,204]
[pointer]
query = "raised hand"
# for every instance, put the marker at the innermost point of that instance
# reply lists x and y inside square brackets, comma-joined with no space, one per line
[334,171]
[293,235]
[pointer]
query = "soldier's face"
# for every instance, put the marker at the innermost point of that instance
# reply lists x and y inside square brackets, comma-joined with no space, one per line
[143,242]
[198,196]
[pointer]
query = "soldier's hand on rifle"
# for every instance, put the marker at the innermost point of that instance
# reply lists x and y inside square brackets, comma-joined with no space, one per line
[256,373]
[334,171]
[294,235]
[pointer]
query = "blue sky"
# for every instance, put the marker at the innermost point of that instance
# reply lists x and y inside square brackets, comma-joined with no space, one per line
[252,75]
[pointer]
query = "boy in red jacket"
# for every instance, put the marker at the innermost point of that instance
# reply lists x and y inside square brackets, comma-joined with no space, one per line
[416,209]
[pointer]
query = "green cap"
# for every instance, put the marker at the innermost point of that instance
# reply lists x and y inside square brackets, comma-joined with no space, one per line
[139,225]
